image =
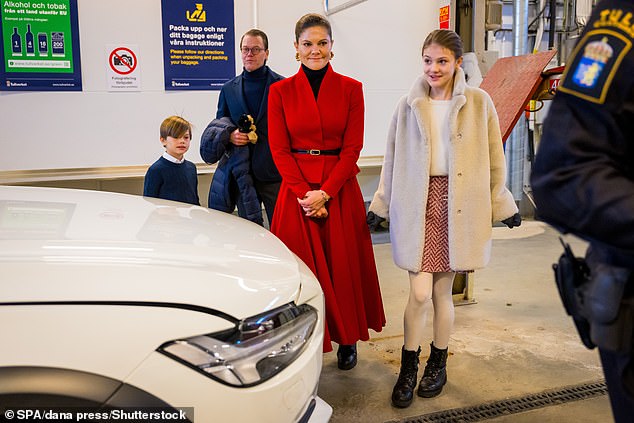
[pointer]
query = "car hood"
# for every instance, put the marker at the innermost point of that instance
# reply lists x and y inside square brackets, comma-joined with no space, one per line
[60,245]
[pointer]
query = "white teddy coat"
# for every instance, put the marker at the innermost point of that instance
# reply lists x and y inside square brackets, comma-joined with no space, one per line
[477,177]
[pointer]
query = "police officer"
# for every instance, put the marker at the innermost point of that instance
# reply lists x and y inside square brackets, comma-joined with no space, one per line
[583,183]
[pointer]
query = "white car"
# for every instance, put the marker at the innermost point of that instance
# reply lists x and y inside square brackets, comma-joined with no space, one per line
[113,300]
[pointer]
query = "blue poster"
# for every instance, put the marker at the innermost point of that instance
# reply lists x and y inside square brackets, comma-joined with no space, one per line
[198,44]
[39,46]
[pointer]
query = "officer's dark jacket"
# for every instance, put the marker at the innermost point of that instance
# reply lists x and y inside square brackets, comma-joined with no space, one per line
[583,175]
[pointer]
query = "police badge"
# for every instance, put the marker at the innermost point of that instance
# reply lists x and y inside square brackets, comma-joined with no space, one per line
[595,55]
[594,62]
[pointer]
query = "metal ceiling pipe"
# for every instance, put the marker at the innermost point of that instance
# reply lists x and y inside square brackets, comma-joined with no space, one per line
[516,148]
[520,27]
[552,24]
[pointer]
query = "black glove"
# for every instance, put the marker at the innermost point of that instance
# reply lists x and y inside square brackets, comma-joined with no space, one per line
[515,220]
[374,222]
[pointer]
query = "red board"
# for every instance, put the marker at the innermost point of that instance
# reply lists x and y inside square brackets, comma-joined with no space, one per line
[511,83]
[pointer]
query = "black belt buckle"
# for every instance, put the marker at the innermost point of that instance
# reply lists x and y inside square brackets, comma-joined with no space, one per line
[313,152]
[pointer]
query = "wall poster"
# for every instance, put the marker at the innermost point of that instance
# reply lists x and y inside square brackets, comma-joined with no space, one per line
[198,44]
[39,46]
[444,14]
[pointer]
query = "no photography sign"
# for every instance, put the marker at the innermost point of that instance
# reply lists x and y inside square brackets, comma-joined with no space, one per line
[123,74]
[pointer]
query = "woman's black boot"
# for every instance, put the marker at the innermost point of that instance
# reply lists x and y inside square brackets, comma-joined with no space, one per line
[403,391]
[347,356]
[435,374]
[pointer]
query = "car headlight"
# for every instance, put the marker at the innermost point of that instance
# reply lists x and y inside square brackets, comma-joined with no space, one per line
[255,350]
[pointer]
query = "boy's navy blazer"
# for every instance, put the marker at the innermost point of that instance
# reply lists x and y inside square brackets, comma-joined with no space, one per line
[232,104]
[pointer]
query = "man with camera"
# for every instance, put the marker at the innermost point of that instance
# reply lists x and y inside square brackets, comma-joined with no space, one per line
[583,183]
[237,139]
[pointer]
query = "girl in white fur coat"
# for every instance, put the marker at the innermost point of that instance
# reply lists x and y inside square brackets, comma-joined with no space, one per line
[442,186]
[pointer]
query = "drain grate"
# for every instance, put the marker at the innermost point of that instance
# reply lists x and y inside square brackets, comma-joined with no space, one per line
[505,407]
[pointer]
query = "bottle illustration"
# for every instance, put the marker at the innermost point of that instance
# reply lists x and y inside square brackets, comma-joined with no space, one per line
[42,44]
[16,43]
[30,44]
[57,43]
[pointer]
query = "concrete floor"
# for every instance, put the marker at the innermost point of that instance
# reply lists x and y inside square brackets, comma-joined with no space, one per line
[515,340]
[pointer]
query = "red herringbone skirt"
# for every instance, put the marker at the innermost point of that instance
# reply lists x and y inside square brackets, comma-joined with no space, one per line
[436,248]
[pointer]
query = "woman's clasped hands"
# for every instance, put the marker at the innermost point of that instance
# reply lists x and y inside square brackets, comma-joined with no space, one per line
[314,203]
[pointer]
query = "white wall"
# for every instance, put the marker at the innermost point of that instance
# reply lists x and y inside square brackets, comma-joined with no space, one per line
[376,42]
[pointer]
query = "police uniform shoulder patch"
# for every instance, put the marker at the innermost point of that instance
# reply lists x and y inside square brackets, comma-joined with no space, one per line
[595,61]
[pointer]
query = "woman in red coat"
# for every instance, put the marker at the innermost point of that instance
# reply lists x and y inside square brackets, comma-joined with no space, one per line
[316,134]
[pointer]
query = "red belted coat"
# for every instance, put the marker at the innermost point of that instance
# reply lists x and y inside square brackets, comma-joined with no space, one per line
[338,248]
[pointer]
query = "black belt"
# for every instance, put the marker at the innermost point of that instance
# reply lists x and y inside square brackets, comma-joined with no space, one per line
[317,152]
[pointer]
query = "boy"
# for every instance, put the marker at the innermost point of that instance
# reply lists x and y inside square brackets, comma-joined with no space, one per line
[172,177]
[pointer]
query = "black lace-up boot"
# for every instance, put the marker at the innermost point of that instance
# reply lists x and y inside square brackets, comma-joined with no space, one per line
[435,374]
[403,391]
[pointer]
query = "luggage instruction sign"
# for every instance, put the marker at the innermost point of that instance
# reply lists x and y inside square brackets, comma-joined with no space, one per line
[198,44]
